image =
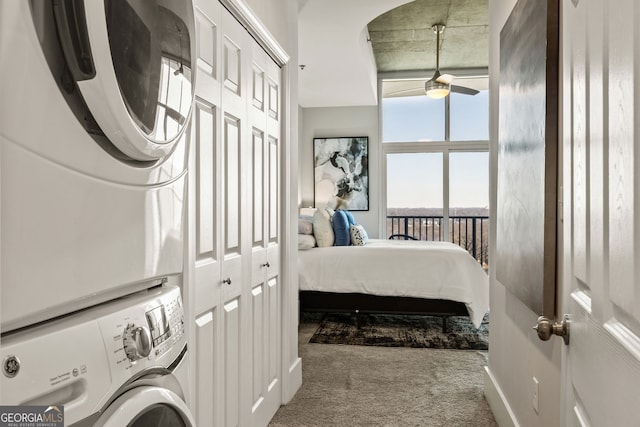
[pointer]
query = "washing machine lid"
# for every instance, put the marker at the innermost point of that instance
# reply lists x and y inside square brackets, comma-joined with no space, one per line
[132,61]
[147,406]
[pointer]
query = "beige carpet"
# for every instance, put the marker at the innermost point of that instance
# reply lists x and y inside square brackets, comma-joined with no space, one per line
[347,385]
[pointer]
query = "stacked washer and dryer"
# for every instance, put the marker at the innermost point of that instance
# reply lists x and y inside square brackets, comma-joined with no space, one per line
[95,107]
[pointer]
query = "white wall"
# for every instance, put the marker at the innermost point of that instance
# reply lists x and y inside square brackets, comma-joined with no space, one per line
[335,122]
[516,354]
[276,15]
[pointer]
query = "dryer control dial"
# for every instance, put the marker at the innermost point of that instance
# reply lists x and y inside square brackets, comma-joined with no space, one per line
[137,342]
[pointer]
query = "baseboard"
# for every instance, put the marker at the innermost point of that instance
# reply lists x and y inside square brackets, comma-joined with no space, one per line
[497,402]
[294,381]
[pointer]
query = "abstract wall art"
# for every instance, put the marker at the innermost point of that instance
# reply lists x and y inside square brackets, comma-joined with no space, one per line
[527,154]
[341,173]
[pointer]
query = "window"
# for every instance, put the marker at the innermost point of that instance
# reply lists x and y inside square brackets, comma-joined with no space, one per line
[469,203]
[469,117]
[436,168]
[426,116]
[414,195]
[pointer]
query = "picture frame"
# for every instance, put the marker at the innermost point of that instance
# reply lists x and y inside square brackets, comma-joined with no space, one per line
[341,173]
[526,223]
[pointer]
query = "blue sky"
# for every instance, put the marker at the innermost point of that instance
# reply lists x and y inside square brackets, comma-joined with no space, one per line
[415,180]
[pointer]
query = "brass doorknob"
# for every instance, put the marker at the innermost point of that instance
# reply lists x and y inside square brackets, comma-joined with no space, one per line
[546,328]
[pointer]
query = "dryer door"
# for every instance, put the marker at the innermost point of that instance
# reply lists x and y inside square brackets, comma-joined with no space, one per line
[132,61]
[147,406]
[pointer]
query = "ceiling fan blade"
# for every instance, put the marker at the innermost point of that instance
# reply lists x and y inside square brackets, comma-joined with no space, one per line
[416,91]
[445,78]
[464,90]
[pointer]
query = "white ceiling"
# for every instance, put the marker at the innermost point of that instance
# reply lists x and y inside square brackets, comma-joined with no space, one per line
[337,49]
[339,66]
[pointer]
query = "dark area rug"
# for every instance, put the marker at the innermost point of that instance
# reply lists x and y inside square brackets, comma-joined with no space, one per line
[389,330]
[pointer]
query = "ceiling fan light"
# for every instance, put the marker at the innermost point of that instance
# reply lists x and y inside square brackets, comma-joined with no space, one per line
[436,90]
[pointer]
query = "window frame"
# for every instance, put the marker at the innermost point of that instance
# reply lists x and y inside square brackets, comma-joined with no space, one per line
[416,147]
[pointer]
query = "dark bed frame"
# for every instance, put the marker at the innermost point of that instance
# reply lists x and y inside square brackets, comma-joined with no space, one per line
[330,302]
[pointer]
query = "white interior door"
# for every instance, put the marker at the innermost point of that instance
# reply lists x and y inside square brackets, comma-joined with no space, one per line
[264,120]
[234,147]
[601,150]
[217,209]
[205,250]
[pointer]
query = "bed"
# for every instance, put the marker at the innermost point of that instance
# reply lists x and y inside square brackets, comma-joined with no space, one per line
[394,276]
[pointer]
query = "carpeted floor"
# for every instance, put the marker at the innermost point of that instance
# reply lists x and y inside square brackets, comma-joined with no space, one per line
[350,385]
[389,330]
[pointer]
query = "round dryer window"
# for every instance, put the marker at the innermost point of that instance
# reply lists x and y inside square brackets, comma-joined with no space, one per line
[147,406]
[132,61]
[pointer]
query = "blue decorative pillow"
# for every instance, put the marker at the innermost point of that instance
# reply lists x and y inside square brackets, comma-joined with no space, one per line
[359,236]
[341,228]
[352,221]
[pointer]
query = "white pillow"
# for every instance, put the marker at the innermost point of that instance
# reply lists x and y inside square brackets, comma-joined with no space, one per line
[306,241]
[305,224]
[322,228]
[359,235]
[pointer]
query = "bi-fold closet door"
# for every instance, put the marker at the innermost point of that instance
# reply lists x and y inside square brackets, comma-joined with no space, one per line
[234,259]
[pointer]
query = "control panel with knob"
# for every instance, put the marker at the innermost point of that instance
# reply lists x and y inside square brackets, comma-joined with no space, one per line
[144,331]
[137,342]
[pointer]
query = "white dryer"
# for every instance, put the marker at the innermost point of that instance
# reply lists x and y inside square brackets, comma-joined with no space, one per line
[121,364]
[95,105]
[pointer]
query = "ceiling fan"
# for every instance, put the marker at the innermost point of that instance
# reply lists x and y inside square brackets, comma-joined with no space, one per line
[439,85]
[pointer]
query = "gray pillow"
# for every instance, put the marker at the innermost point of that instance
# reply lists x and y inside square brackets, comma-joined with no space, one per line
[305,224]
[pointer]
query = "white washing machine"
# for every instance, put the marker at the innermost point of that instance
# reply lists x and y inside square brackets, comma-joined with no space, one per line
[123,363]
[95,105]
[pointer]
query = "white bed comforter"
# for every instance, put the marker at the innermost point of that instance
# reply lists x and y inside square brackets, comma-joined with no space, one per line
[419,269]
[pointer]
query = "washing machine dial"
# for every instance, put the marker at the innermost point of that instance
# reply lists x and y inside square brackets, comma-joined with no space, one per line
[137,342]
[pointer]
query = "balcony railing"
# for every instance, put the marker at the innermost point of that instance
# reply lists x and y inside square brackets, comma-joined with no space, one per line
[469,232]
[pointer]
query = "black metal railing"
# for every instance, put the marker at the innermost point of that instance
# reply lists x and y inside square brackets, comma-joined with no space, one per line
[469,232]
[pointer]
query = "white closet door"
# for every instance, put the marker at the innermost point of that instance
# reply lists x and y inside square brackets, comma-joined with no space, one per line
[273,328]
[265,290]
[204,249]
[234,226]
[233,145]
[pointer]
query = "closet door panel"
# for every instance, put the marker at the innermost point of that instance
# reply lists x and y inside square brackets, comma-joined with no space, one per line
[258,189]
[205,182]
[273,324]
[233,104]
[233,215]
[232,178]
[236,239]
[204,250]
[274,196]
[265,314]
[205,207]
[231,73]
[207,16]
[206,393]
[231,362]
[273,168]
[258,364]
